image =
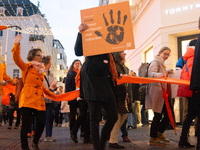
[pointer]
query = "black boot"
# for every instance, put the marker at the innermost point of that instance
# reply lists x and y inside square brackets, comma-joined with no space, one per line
[184,142]
[198,144]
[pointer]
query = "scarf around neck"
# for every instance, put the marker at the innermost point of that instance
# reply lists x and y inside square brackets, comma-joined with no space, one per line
[38,67]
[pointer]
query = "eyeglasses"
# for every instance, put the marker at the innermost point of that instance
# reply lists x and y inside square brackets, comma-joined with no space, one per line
[39,55]
[167,54]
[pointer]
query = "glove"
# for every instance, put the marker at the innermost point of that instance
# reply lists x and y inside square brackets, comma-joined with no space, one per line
[159,75]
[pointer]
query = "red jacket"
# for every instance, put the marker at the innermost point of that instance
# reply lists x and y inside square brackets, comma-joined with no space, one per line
[183,90]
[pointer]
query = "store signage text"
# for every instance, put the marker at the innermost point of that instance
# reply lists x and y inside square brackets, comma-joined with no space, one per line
[181,9]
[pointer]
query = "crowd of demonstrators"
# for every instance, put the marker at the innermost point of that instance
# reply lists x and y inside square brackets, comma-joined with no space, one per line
[31,99]
[50,84]
[154,99]
[97,88]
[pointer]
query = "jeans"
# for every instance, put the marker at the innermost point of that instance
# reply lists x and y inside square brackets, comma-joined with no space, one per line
[95,116]
[66,115]
[49,119]
[2,109]
[27,116]
[130,119]
[159,123]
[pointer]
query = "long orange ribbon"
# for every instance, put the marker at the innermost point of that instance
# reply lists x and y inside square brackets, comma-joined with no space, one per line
[125,79]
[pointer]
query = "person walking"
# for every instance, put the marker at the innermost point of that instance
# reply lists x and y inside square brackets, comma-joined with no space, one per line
[64,108]
[97,88]
[50,84]
[70,85]
[154,99]
[184,91]
[31,100]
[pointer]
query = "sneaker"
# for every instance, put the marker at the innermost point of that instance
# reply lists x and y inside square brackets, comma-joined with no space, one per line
[16,127]
[49,139]
[116,146]
[162,137]
[9,127]
[155,141]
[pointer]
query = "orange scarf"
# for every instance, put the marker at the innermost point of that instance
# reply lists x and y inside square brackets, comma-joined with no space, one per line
[113,69]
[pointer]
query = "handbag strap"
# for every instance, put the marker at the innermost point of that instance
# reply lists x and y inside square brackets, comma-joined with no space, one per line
[47,80]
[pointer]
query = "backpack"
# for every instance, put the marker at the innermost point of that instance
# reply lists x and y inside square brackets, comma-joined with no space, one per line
[143,72]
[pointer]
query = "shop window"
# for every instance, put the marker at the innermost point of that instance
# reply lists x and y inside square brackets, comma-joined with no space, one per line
[149,55]
[15,73]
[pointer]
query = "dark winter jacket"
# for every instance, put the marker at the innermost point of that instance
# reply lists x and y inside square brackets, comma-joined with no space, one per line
[95,77]
[70,84]
[195,77]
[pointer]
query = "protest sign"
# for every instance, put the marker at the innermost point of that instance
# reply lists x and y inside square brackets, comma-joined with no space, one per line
[110,29]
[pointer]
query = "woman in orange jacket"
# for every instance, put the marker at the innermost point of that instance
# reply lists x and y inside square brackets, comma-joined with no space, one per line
[31,100]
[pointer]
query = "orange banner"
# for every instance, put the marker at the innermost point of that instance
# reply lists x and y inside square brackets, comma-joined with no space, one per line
[125,79]
[110,29]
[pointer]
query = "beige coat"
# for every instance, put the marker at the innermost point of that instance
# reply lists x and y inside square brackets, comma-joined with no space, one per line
[154,98]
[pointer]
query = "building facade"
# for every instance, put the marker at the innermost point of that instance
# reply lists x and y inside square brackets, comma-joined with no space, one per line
[26,20]
[61,58]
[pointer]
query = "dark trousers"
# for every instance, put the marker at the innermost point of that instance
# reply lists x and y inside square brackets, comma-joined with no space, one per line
[95,116]
[73,112]
[124,130]
[196,104]
[58,115]
[49,119]
[82,120]
[144,115]
[159,123]
[190,116]
[27,115]
[11,117]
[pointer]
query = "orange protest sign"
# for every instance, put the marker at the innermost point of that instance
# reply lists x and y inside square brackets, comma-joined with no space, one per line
[110,29]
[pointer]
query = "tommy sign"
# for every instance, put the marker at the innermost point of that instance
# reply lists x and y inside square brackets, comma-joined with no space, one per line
[181,9]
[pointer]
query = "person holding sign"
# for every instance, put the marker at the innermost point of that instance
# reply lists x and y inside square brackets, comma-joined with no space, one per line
[97,88]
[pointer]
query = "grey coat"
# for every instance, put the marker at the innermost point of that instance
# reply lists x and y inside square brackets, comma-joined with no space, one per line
[154,99]
[50,78]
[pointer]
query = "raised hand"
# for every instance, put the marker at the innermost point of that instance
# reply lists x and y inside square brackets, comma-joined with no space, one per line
[17,39]
[82,27]
[115,32]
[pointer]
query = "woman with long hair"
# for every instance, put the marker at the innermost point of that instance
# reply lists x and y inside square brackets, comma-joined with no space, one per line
[154,99]
[70,85]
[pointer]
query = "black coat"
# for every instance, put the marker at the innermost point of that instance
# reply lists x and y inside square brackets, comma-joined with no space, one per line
[95,78]
[195,77]
[70,84]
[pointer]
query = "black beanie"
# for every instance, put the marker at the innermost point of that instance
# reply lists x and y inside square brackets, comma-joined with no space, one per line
[192,43]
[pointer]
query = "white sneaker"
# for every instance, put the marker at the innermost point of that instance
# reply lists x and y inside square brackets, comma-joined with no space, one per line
[66,125]
[49,139]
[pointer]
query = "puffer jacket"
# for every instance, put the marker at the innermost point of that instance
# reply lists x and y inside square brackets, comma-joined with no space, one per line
[183,90]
